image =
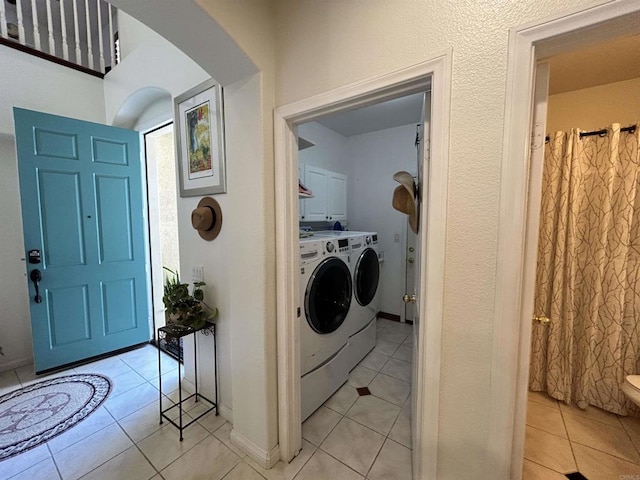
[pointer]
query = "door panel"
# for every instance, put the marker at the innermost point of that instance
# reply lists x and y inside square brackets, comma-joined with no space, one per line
[118,305]
[110,151]
[60,207]
[115,241]
[50,143]
[82,207]
[68,315]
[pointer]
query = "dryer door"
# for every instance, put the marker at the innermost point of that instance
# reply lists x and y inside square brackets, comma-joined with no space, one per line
[328,296]
[366,277]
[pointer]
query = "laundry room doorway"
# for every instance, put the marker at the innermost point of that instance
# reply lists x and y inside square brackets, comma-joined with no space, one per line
[432,77]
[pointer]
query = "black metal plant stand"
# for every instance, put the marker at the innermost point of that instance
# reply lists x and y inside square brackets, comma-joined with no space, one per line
[176,332]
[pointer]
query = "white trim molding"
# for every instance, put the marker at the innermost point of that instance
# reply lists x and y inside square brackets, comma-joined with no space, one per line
[435,76]
[266,459]
[519,212]
[17,363]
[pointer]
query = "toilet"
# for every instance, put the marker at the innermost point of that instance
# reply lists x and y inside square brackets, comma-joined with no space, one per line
[631,388]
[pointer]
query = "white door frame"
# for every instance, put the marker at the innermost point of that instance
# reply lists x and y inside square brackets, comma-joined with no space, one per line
[434,74]
[519,212]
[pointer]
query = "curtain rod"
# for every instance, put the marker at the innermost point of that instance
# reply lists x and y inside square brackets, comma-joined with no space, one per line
[602,133]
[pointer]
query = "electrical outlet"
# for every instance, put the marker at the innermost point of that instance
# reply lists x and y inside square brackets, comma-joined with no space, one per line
[197,273]
[396,237]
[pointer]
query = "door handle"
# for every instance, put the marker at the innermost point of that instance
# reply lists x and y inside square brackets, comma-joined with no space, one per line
[541,318]
[36,276]
[406,298]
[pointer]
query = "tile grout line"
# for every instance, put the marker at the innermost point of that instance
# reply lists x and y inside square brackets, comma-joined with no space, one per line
[594,447]
[629,437]
[53,459]
[111,458]
[386,437]
[136,444]
[337,460]
[566,431]
[226,475]
[545,466]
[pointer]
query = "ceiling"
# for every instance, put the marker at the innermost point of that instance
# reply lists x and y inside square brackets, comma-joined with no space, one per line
[389,114]
[613,61]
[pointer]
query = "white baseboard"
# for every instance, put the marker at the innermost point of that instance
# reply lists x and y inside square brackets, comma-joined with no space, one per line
[266,459]
[20,362]
[226,413]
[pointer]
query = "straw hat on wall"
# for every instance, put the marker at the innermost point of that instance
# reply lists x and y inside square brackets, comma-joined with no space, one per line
[206,218]
[405,198]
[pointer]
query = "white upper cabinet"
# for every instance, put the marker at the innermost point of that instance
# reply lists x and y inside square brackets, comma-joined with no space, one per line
[329,202]
[337,196]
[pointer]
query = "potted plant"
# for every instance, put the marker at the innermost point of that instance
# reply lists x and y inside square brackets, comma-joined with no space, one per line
[185,308]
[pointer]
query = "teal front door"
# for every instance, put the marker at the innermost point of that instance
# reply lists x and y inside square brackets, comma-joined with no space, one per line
[82,212]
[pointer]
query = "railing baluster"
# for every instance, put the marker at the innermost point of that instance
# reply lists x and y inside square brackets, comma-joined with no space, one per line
[3,21]
[36,27]
[99,47]
[52,42]
[89,41]
[63,27]
[76,31]
[100,42]
[112,43]
[20,22]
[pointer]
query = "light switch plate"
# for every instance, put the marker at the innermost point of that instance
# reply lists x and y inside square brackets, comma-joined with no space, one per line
[197,273]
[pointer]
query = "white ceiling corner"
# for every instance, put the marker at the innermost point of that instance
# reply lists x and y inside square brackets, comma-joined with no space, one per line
[389,114]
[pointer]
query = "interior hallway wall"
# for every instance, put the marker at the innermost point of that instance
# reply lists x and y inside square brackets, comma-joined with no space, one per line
[596,107]
[150,61]
[251,223]
[237,49]
[329,152]
[375,157]
[15,321]
[324,45]
[29,82]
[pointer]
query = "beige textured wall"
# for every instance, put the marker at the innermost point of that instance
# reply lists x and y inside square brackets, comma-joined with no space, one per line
[250,219]
[596,107]
[323,45]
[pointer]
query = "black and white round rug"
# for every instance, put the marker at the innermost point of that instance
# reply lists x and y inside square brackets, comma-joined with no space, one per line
[36,413]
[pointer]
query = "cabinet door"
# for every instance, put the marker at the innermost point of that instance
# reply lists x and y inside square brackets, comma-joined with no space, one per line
[315,209]
[336,196]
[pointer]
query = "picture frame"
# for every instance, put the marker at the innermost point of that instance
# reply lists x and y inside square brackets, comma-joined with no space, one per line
[199,133]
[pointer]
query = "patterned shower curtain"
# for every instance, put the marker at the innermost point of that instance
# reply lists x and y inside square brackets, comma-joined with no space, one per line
[588,270]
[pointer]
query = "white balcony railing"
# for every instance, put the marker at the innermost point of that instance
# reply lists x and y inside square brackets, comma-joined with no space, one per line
[83,33]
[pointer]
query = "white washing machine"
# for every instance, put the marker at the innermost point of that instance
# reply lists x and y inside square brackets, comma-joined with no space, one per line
[325,300]
[365,304]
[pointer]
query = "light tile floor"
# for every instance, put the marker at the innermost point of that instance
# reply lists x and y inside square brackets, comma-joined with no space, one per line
[350,437]
[561,439]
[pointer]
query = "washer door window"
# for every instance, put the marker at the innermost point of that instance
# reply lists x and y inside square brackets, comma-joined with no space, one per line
[328,296]
[366,277]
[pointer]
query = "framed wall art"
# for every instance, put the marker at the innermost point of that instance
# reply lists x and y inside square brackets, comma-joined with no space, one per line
[199,130]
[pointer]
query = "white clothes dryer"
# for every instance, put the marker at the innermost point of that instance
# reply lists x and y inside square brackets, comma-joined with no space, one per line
[365,304]
[325,300]
[365,272]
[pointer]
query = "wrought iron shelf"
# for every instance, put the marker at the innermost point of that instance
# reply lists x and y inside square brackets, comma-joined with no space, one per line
[175,332]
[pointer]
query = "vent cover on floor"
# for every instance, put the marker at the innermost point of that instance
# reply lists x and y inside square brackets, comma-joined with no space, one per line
[576,476]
